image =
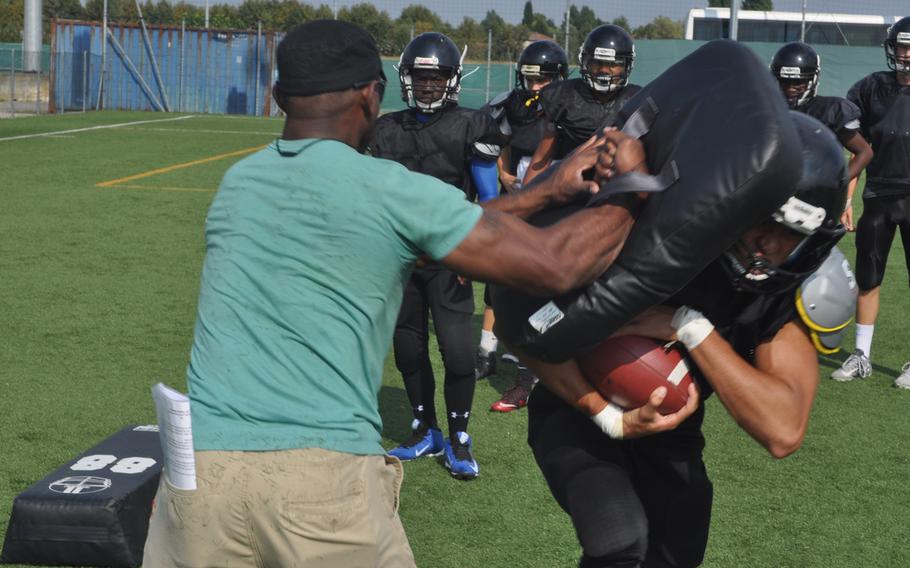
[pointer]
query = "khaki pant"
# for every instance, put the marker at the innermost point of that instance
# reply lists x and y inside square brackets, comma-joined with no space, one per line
[308,508]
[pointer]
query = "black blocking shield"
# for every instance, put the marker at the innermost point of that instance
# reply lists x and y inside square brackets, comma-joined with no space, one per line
[93,510]
[721,120]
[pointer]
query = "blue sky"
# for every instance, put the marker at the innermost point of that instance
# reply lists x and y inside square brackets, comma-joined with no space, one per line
[638,12]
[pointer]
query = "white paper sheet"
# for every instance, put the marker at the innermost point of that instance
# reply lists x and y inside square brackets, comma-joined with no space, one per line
[176,432]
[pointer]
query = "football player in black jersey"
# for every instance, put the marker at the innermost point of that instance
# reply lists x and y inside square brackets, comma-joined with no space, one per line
[884,101]
[519,116]
[797,68]
[634,482]
[460,146]
[577,108]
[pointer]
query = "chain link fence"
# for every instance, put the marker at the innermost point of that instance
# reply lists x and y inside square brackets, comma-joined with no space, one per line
[231,71]
[24,78]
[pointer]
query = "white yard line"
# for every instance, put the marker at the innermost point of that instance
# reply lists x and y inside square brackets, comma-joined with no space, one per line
[194,130]
[243,117]
[100,127]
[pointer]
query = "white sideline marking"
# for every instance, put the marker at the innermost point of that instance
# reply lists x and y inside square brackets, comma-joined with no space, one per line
[194,130]
[244,117]
[100,127]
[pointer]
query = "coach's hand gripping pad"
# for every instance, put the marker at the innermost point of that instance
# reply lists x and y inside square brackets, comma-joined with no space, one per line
[721,118]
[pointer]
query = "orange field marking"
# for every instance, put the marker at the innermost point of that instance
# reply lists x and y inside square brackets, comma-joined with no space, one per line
[121,182]
[164,188]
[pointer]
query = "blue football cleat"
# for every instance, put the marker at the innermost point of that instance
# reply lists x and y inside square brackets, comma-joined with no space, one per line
[459,459]
[424,442]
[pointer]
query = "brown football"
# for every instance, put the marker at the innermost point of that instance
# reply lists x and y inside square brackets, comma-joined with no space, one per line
[626,370]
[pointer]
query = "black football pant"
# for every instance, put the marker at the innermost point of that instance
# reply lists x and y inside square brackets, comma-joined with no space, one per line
[436,291]
[874,235]
[634,503]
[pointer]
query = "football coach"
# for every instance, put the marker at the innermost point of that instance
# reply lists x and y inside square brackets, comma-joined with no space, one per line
[308,245]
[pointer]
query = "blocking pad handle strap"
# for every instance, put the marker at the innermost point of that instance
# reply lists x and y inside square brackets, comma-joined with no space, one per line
[637,182]
[638,124]
[642,119]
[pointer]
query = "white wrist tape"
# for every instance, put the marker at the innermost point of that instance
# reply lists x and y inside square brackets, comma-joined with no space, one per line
[691,326]
[609,420]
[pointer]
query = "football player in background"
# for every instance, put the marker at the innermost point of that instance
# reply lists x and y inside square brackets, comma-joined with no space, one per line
[884,102]
[797,68]
[577,108]
[634,482]
[460,146]
[520,119]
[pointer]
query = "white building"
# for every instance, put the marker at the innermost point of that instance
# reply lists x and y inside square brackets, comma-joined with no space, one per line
[782,27]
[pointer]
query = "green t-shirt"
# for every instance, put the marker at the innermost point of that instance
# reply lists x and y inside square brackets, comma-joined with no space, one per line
[308,247]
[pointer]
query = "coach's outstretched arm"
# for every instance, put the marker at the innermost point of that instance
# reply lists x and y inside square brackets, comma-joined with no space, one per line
[560,184]
[564,256]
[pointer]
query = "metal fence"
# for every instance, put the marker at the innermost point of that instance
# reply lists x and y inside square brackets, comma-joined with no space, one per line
[11,56]
[23,91]
[231,71]
[158,68]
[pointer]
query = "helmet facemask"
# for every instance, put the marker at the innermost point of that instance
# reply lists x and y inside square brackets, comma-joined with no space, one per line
[797,222]
[534,73]
[899,62]
[605,82]
[794,75]
[413,87]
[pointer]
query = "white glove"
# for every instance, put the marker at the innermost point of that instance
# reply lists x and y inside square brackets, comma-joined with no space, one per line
[610,421]
[692,327]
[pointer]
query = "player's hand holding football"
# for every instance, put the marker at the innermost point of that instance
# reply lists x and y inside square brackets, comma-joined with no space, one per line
[646,420]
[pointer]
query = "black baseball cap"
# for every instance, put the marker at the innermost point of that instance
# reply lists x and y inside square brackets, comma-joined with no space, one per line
[325,56]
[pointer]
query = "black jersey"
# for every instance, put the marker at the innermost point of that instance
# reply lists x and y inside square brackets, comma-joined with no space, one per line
[520,119]
[578,113]
[442,147]
[744,319]
[885,123]
[837,113]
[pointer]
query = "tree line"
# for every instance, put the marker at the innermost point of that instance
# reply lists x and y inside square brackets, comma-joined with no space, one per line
[392,34]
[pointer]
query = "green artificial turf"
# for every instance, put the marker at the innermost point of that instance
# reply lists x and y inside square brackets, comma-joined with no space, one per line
[97,305]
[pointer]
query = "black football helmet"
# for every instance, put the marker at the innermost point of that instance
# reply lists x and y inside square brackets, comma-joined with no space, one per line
[814,211]
[611,44]
[898,34]
[435,51]
[797,62]
[541,58]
